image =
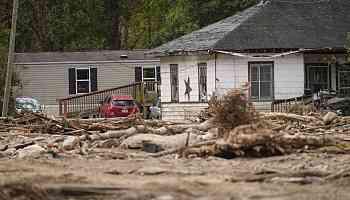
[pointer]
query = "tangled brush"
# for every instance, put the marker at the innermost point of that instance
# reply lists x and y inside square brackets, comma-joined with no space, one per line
[232,110]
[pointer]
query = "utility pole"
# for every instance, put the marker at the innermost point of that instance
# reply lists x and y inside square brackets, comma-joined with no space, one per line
[10,59]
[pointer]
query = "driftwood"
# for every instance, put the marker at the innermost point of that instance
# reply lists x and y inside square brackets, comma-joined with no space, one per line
[181,149]
[117,134]
[162,142]
[288,116]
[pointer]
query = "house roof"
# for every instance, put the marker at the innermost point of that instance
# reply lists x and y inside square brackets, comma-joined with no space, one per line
[272,24]
[83,57]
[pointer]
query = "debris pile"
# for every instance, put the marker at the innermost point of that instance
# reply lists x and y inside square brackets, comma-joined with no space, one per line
[234,129]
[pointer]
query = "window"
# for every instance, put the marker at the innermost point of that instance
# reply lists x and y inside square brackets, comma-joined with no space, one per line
[261,79]
[202,81]
[82,80]
[174,83]
[149,74]
[344,79]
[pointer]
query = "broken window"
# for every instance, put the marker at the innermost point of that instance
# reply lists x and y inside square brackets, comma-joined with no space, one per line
[261,80]
[174,82]
[202,81]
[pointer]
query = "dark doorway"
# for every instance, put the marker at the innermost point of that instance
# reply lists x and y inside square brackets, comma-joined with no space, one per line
[317,78]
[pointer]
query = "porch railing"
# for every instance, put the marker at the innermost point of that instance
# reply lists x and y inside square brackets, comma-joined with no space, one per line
[89,103]
[284,105]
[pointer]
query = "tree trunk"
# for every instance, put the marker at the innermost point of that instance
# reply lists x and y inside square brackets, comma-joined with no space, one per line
[113,11]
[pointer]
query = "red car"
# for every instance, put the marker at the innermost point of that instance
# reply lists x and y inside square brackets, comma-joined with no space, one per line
[118,106]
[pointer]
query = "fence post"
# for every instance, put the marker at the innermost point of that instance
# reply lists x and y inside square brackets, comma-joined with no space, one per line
[65,107]
[60,107]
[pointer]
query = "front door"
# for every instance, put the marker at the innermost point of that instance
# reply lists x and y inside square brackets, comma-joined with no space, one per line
[317,78]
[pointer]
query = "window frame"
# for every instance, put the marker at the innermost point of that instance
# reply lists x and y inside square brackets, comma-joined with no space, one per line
[172,98]
[339,80]
[272,81]
[78,80]
[317,65]
[155,73]
[199,65]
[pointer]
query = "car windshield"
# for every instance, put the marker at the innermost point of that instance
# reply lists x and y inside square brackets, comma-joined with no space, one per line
[123,102]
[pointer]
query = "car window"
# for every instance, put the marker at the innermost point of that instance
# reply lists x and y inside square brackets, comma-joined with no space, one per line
[123,102]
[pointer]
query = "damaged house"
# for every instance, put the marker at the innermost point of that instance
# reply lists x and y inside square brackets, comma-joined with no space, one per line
[282,48]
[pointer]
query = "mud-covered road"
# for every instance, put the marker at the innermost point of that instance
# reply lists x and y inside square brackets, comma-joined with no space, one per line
[298,176]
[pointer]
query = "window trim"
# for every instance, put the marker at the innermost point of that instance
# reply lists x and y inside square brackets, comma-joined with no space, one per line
[78,80]
[149,67]
[206,81]
[272,80]
[178,87]
[339,81]
[321,65]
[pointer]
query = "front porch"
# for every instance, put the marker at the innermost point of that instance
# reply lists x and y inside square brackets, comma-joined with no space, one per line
[191,81]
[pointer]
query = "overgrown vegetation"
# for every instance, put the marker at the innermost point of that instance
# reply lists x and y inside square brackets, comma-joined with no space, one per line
[66,25]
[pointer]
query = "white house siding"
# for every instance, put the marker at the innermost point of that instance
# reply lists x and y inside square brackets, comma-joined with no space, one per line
[232,72]
[187,67]
[48,82]
[228,72]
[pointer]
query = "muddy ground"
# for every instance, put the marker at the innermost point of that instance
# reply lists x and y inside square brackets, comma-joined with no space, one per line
[131,176]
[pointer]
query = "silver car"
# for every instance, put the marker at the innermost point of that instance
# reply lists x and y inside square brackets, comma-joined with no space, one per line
[27,103]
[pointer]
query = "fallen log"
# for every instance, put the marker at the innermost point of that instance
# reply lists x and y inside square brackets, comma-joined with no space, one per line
[180,149]
[162,142]
[288,116]
[118,133]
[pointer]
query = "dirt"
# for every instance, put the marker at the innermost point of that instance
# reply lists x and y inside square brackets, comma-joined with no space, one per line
[133,177]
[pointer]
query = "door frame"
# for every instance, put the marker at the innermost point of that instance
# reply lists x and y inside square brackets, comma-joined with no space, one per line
[321,65]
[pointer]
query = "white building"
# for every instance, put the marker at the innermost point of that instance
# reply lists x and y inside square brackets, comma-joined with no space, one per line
[282,48]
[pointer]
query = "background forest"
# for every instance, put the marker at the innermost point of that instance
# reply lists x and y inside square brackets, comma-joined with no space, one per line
[81,25]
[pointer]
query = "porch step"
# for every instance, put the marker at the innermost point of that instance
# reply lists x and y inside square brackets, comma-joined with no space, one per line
[182,111]
[262,106]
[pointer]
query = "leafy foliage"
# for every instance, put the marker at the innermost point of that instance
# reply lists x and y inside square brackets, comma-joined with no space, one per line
[75,25]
